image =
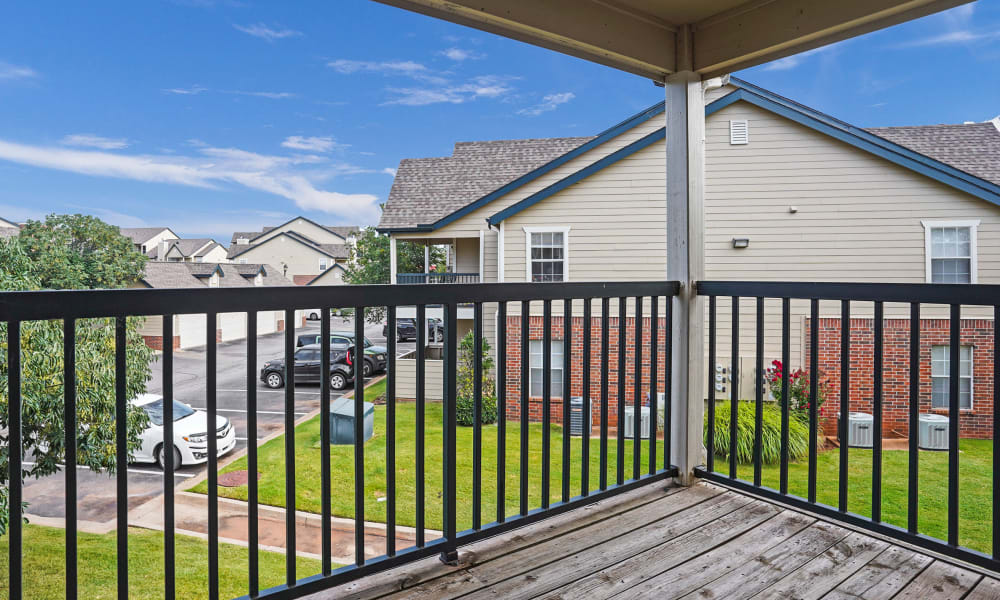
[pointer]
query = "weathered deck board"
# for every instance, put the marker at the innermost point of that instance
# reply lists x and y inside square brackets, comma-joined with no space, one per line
[699,542]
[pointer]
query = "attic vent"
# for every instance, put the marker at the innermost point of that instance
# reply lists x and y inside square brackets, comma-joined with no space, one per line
[739,132]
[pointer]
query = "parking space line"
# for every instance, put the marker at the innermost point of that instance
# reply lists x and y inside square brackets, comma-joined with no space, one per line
[259,412]
[297,392]
[143,471]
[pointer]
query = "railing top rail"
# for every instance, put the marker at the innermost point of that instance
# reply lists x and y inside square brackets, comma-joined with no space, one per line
[60,304]
[928,293]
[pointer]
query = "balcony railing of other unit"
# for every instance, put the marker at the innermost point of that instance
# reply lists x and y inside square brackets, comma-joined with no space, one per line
[404,278]
[869,362]
[591,303]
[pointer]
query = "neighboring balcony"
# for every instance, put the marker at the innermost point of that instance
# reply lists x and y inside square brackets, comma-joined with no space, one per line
[437,278]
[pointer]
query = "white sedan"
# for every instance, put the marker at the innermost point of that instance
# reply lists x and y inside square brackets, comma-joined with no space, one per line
[190,433]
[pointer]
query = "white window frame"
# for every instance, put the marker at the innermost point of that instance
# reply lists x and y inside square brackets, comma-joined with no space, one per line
[973,225]
[322,264]
[242,261]
[527,248]
[556,391]
[972,376]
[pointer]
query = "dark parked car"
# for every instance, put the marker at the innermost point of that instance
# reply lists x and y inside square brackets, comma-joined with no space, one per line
[341,340]
[307,368]
[406,329]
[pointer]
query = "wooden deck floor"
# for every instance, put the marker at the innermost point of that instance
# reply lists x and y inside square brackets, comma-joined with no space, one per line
[668,542]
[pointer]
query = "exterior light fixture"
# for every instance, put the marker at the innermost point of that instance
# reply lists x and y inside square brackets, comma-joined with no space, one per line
[741,242]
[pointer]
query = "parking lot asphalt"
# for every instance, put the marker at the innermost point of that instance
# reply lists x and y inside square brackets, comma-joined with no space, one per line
[96,492]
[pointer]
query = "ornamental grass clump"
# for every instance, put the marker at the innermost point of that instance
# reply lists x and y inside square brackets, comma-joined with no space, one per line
[798,433]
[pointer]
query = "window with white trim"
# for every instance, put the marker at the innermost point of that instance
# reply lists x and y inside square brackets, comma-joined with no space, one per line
[537,373]
[940,377]
[951,251]
[548,253]
[243,261]
[322,264]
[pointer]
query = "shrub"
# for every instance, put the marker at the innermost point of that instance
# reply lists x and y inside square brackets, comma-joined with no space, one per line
[798,433]
[465,416]
[798,387]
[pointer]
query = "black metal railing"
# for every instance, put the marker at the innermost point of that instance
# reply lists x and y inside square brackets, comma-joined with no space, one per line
[838,299]
[576,298]
[407,278]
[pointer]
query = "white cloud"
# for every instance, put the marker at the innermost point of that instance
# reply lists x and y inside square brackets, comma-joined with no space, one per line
[267,33]
[404,67]
[389,171]
[194,90]
[89,140]
[548,103]
[790,62]
[11,72]
[484,86]
[961,36]
[310,144]
[460,54]
[211,168]
[270,95]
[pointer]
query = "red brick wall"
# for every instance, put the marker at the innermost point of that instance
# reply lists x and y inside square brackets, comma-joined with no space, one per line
[535,325]
[281,324]
[978,333]
[156,341]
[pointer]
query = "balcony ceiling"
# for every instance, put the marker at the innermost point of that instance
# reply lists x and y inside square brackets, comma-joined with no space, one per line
[654,38]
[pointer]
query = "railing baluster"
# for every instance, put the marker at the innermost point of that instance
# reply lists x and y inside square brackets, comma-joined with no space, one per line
[169,566]
[477,415]
[324,441]
[954,404]
[546,399]
[605,382]
[289,418]
[253,508]
[587,413]
[501,412]
[69,471]
[620,429]
[450,434]
[845,395]
[637,402]
[877,417]
[525,391]
[913,501]
[359,435]
[421,418]
[710,442]
[758,430]
[390,433]
[668,356]
[813,395]
[121,456]
[211,370]
[567,391]
[15,525]
[786,401]
[654,401]
[734,389]
[996,433]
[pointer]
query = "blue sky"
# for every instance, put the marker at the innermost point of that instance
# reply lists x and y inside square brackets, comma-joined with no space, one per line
[214,116]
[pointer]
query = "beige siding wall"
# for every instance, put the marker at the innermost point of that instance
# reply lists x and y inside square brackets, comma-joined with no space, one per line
[467,255]
[406,378]
[301,259]
[317,234]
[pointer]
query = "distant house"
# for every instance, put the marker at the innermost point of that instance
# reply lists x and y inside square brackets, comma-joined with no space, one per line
[8,224]
[790,194]
[188,250]
[303,249]
[147,238]
[190,329]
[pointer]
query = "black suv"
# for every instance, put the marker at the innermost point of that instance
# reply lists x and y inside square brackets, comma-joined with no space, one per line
[406,329]
[307,368]
[341,340]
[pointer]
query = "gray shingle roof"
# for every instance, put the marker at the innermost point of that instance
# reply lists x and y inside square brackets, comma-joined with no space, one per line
[186,275]
[244,234]
[427,189]
[139,235]
[9,232]
[970,147]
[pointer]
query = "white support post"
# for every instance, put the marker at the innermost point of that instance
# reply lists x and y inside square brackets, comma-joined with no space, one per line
[685,114]
[392,260]
[482,255]
[427,258]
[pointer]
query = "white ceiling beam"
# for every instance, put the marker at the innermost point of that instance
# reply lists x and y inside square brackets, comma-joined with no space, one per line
[765,30]
[601,31]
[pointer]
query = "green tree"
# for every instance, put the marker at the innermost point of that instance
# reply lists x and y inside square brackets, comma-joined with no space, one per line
[80,252]
[368,262]
[466,383]
[42,374]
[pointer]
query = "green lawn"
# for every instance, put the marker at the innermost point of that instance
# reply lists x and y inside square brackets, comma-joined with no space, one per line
[975,483]
[45,575]
[271,459]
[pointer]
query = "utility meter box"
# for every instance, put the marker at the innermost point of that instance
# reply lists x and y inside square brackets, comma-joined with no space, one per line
[342,421]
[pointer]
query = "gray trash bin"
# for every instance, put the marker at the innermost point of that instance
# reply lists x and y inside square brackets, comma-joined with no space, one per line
[342,421]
